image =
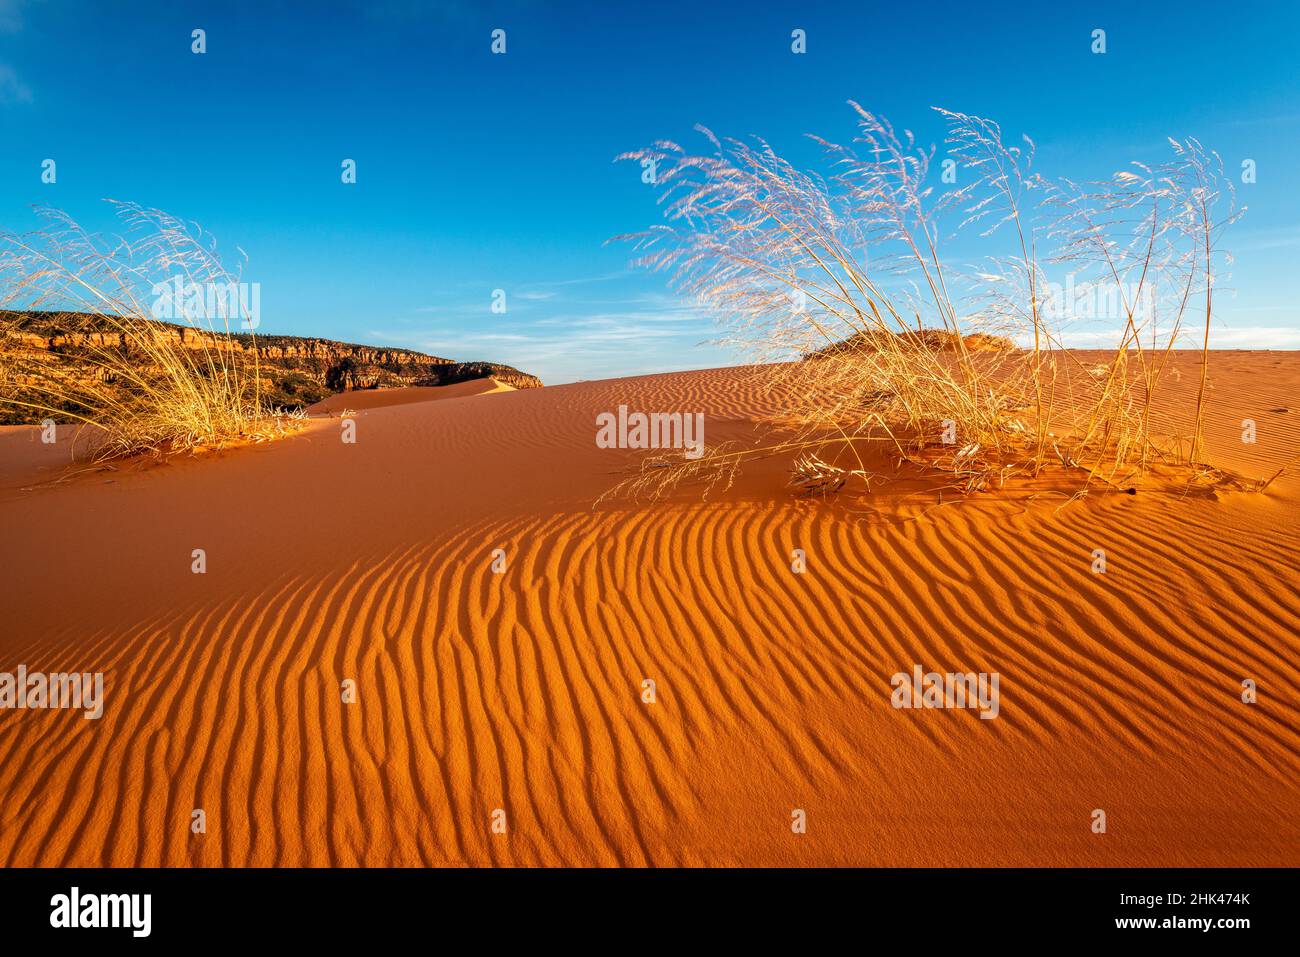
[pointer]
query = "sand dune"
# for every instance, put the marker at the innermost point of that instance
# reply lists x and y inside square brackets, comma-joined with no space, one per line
[382,398]
[521,690]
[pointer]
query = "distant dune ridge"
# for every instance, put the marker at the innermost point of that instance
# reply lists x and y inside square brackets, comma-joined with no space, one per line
[938,340]
[498,632]
[298,370]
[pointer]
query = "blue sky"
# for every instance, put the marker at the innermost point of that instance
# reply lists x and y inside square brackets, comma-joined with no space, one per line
[477,172]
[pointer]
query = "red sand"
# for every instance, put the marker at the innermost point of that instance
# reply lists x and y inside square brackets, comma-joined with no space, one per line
[521,691]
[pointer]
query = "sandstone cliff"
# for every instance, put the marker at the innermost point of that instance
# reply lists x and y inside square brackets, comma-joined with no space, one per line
[297,370]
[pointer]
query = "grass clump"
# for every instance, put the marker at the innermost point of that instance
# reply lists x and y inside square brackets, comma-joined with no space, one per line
[839,284]
[139,384]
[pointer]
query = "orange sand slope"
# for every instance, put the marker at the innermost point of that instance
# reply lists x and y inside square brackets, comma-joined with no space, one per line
[521,690]
[381,398]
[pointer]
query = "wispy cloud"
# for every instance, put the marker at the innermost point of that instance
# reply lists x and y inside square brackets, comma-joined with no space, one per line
[558,335]
[12,89]
[1256,337]
[1277,237]
[1221,337]
[585,280]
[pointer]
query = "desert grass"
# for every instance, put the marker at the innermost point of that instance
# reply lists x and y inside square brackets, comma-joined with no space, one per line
[139,385]
[840,284]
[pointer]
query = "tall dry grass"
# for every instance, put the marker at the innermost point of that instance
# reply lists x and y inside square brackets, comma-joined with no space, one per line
[138,385]
[849,269]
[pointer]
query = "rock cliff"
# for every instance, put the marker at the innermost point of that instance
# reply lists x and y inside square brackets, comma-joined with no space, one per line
[297,371]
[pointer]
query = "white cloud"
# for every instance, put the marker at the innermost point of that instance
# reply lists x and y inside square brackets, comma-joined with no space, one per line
[1256,337]
[12,89]
[1235,337]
